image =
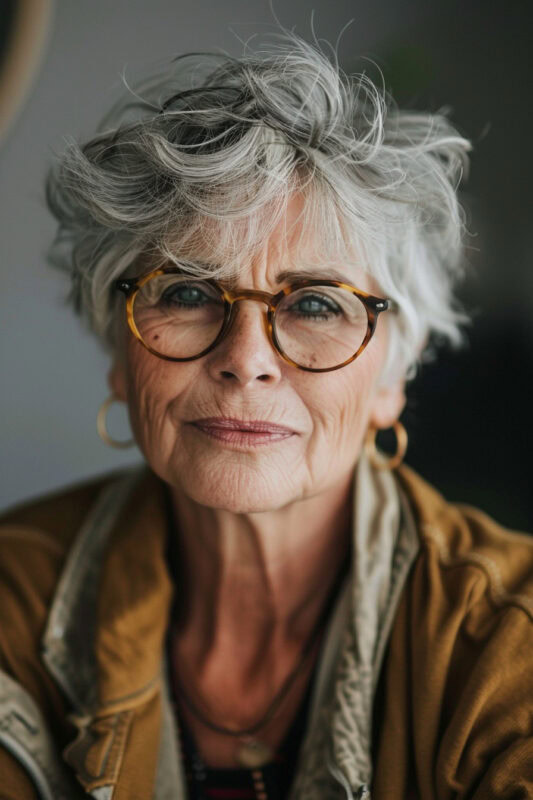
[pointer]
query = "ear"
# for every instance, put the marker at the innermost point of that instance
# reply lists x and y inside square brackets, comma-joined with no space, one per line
[116,378]
[388,404]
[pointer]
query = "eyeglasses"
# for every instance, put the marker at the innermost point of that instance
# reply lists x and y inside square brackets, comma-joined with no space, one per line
[314,325]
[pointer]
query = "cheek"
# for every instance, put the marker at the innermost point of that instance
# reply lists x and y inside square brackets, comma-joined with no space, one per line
[341,405]
[152,386]
[346,395]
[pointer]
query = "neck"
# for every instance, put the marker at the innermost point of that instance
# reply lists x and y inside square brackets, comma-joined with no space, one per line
[258,580]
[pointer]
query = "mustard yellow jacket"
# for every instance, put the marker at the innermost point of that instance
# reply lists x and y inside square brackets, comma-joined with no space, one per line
[436,704]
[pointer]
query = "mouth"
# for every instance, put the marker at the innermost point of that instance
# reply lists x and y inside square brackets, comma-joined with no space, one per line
[242,432]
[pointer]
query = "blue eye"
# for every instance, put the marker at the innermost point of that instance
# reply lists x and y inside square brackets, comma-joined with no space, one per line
[315,306]
[185,295]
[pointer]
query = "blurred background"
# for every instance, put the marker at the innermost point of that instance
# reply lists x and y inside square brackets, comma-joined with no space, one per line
[469,414]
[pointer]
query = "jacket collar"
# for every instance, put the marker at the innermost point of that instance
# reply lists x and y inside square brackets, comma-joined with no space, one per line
[107,623]
[106,627]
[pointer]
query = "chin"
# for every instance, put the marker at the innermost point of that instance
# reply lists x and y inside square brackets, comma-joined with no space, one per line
[239,490]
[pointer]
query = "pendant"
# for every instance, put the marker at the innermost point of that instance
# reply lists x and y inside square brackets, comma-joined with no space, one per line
[254,753]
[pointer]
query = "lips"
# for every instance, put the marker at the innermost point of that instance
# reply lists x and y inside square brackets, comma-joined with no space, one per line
[242,433]
[244,426]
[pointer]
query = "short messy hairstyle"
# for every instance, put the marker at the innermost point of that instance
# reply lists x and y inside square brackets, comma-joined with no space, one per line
[197,165]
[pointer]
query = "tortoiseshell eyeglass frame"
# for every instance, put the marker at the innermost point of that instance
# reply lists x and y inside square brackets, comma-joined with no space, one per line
[374,307]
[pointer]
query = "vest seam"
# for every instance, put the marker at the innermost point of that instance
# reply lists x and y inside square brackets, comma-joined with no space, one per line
[500,596]
[18,532]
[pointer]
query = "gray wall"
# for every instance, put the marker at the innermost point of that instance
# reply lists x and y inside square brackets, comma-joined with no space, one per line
[53,373]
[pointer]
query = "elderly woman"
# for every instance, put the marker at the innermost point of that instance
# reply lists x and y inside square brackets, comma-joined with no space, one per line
[270,607]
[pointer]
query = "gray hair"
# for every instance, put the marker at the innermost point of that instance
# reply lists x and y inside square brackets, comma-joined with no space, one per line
[198,169]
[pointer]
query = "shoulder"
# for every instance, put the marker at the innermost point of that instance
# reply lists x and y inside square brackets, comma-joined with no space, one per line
[35,538]
[457,540]
[461,650]
[56,514]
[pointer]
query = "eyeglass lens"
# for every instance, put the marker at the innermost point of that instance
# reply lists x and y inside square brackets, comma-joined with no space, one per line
[317,327]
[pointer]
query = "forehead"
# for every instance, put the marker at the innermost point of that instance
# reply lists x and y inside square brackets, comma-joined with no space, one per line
[297,246]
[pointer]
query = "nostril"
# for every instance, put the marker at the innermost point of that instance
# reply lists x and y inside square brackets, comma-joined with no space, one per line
[231,375]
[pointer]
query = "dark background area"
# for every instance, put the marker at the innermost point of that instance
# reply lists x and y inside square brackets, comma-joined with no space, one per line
[468,415]
[7,8]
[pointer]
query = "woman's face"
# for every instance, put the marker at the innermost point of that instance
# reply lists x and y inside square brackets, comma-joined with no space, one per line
[184,414]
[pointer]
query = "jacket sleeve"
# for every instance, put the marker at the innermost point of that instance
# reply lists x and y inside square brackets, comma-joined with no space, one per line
[485,750]
[29,699]
[15,783]
[456,710]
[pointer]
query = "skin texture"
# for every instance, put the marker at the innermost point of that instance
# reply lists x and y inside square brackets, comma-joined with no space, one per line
[264,529]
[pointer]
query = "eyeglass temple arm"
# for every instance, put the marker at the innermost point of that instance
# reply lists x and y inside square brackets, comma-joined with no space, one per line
[393,306]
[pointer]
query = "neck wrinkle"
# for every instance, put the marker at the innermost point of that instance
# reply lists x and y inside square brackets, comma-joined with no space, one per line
[255,586]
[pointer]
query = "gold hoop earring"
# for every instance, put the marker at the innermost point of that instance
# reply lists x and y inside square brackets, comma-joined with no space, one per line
[378,460]
[101,425]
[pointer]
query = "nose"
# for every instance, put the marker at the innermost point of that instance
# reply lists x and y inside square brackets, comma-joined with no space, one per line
[246,354]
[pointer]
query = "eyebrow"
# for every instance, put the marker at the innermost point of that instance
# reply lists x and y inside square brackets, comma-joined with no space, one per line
[288,276]
[326,273]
